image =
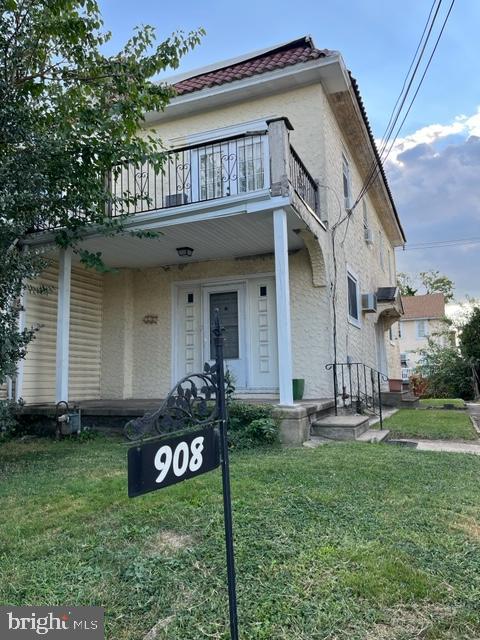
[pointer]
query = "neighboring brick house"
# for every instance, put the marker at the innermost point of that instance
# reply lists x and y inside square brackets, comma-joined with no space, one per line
[269,152]
[424,318]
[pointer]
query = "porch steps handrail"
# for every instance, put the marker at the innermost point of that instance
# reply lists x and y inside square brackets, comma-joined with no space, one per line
[358,388]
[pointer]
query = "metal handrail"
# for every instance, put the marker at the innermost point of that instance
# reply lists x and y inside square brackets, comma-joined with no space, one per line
[360,387]
[302,182]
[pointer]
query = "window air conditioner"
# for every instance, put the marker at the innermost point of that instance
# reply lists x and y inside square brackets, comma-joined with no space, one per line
[176,199]
[369,302]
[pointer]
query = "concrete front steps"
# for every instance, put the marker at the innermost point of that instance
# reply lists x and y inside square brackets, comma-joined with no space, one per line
[346,427]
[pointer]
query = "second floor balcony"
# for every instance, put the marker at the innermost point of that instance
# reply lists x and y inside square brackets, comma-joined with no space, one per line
[262,163]
[219,169]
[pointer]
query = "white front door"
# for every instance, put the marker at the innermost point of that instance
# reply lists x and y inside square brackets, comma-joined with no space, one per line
[247,312]
[230,302]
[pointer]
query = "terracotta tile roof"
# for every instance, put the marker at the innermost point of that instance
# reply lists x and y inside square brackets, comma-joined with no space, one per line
[301,50]
[431,305]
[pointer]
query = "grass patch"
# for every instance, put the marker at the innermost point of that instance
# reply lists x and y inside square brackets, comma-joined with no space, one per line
[346,541]
[434,424]
[458,403]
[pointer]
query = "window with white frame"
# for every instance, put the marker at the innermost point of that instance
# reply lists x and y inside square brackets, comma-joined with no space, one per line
[250,157]
[347,188]
[381,249]
[365,215]
[403,360]
[231,167]
[353,290]
[422,328]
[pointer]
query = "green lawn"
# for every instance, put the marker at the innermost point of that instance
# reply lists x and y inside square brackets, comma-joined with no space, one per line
[440,402]
[344,542]
[434,424]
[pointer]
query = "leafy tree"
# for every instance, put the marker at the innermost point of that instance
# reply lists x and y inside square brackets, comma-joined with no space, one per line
[446,371]
[405,284]
[435,282]
[68,114]
[470,344]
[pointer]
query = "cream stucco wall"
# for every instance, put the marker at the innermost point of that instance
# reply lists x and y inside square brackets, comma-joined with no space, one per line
[353,253]
[144,351]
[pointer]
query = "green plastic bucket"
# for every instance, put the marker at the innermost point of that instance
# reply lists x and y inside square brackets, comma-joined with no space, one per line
[298,385]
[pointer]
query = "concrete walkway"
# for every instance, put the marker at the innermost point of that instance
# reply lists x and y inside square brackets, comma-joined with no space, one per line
[453,446]
[449,446]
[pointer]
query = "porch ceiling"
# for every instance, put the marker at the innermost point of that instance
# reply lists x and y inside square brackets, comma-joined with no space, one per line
[228,237]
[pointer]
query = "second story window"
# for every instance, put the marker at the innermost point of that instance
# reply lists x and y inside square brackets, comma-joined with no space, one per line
[422,328]
[365,215]
[381,248]
[353,290]
[250,165]
[347,188]
[231,167]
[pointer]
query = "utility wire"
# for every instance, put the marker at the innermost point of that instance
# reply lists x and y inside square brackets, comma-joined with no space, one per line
[442,245]
[379,164]
[402,97]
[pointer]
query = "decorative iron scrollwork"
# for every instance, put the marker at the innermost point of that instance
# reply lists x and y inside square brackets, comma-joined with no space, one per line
[141,180]
[191,403]
[228,163]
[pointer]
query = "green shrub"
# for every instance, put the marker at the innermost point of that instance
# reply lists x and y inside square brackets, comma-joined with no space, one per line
[447,373]
[252,425]
[8,420]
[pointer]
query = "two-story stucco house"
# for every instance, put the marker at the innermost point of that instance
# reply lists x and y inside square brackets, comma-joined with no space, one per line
[423,319]
[269,152]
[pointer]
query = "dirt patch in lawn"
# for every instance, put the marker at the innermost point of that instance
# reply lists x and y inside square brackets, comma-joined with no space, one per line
[470,526]
[169,542]
[407,623]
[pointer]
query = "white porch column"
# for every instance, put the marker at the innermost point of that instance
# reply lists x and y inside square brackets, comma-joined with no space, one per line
[282,287]
[63,323]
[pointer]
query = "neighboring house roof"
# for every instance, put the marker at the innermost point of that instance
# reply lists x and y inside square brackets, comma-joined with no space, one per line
[288,54]
[431,305]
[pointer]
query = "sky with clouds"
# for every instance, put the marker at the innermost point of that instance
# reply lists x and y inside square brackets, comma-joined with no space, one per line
[434,167]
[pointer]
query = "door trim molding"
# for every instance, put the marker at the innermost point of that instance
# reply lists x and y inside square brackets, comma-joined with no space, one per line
[218,280]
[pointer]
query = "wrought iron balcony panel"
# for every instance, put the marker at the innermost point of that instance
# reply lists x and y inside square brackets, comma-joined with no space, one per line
[192,175]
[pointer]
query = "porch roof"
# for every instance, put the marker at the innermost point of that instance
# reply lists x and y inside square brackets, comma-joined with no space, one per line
[234,236]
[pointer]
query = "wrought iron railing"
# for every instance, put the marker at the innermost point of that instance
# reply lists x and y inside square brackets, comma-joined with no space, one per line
[302,182]
[195,174]
[191,175]
[357,388]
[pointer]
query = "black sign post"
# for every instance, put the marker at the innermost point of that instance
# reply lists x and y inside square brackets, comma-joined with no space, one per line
[227,501]
[197,405]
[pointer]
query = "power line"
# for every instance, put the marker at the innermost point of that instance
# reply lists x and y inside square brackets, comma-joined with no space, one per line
[403,92]
[379,163]
[438,244]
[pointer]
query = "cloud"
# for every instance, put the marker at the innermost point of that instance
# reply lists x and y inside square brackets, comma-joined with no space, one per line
[462,125]
[434,177]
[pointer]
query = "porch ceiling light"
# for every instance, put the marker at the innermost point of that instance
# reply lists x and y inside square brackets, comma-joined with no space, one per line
[184,251]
